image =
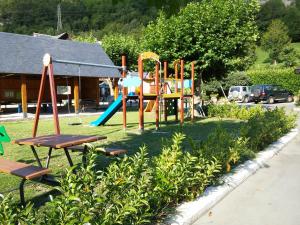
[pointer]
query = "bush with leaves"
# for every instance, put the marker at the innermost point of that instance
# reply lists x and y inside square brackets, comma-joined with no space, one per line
[11,213]
[224,147]
[264,129]
[126,190]
[285,77]
[234,111]
[180,175]
[78,202]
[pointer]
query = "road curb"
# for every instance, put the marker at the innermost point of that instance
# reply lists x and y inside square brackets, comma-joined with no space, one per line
[190,212]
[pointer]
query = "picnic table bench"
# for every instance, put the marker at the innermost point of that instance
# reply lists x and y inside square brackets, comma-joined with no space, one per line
[23,170]
[39,173]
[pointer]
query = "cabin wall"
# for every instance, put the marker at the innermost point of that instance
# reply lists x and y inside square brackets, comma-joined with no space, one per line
[10,89]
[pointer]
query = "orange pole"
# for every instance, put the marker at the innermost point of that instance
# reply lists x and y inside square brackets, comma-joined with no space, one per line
[124,92]
[165,89]
[181,95]
[53,97]
[39,102]
[116,88]
[157,95]
[193,89]
[141,97]
[24,95]
[76,95]
[176,77]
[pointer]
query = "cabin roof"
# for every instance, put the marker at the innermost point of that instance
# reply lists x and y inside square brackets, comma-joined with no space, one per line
[23,54]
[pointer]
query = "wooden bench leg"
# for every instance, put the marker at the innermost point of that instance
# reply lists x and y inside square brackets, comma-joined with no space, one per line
[22,196]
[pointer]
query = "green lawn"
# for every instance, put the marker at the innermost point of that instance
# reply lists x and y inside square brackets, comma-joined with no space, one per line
[130,140]
[263,55]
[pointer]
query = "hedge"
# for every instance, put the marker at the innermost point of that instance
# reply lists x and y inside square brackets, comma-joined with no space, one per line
[281,76]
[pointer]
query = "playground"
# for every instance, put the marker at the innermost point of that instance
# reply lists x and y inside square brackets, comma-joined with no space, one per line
[167,96]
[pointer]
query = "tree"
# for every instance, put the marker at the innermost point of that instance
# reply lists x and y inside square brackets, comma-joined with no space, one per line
[275,40]
[291,19]
[115,45]
[272,9]
[218,34]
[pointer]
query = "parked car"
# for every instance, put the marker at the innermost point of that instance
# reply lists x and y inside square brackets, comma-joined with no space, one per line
[270,93]
[239,93]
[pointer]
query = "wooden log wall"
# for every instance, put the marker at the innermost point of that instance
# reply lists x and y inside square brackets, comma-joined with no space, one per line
[10,89]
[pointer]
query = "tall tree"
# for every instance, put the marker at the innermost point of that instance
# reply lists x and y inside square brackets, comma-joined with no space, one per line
[218,34]
[275,40]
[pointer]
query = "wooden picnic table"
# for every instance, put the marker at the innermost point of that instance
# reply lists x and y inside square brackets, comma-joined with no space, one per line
[58,141]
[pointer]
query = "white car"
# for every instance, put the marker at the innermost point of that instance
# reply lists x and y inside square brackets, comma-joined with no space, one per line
[239,93]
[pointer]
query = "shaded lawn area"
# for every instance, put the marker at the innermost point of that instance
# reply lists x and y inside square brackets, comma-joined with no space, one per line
[116,137]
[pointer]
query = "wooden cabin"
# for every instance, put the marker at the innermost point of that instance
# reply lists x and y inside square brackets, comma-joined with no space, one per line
[21,66]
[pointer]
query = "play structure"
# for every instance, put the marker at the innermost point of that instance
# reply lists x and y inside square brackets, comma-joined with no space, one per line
[167,95]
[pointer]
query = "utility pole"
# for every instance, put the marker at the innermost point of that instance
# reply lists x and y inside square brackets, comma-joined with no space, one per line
[59,23]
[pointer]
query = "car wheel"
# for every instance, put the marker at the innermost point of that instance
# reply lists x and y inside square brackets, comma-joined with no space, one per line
[290,98]
[271,100]
[255,102]
[246,99]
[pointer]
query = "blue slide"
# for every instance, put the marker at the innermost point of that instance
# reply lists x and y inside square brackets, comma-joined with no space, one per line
[109,112]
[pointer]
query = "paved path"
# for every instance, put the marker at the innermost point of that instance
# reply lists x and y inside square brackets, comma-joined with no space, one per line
[270,197]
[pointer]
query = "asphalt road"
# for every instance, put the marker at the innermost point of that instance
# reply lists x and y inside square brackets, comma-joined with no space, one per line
[269,197]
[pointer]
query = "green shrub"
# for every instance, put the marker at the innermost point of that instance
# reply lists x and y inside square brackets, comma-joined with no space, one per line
[274,75]
[78,202]
[224,147]
[179,175]
[126,189]
[234,111]
[264,129]
[11,213]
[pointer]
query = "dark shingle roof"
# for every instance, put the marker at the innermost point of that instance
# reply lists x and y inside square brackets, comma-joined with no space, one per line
[23,54]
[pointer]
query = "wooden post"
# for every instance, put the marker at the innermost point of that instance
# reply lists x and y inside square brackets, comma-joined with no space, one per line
[39,102]
[157,96]
[48,67]
[97,93]
[176,76]
[165,89]
[193,89]
[141,97]
[53,97]
[76,95]
[181,95]
[124,92]
[116,88]
[24,95]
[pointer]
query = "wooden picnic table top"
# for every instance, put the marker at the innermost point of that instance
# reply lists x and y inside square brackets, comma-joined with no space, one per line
[58,141]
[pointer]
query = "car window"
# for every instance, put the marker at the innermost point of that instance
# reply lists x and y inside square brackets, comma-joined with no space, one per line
[244,89]
[275,88]
[232,89]
[256,88]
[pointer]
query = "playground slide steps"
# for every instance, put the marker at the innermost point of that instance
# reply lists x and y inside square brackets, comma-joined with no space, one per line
[109,112]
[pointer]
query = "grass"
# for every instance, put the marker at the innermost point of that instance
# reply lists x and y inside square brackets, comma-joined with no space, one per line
[130,140]
[262,55]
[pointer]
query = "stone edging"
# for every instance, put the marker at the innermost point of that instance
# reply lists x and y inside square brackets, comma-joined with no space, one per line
[190,212]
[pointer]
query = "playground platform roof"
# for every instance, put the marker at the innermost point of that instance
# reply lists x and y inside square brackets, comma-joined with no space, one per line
[23,54]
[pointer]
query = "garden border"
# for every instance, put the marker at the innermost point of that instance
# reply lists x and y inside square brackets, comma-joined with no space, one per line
[190,212]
